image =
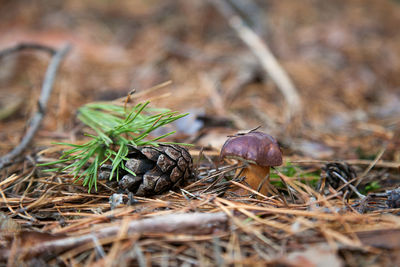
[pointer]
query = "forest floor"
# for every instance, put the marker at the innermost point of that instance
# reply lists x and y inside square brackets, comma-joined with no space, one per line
[341,116]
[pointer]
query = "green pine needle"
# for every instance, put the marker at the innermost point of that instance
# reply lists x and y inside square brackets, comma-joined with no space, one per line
[116,129]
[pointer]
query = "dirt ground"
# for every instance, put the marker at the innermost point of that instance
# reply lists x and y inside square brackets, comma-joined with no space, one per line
[342,59]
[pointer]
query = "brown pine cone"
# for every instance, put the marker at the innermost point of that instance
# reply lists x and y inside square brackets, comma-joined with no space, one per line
[334,171]
[157,169]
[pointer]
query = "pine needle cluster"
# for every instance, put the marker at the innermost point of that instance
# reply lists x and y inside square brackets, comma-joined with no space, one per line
[115,129]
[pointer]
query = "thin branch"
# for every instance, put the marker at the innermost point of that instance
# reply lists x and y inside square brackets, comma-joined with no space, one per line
[37,118]
[268,61]
[373,163]
[27,46]
[349,184]
[250,12]
[184,223]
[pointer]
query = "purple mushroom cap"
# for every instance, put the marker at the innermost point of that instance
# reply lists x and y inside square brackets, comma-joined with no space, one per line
[258,147]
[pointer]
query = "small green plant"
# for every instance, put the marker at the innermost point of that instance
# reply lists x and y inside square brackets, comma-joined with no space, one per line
[371,187]
[290,170]
[116,128]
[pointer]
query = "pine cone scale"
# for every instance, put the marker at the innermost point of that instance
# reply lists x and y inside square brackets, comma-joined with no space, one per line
[165,163]
[151,153]
[138,166]
[182,164]
[172,153]
[176,174]
[130,181]
[162,184]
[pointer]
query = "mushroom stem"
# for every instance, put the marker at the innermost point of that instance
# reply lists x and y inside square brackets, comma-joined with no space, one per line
[255,178]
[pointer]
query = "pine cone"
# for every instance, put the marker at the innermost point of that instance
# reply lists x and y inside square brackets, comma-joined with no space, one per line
[333,172]
[157,169]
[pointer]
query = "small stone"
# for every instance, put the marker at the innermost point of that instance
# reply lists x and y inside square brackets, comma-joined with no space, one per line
[115,200]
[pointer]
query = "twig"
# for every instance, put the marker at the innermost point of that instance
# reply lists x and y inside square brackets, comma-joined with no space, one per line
[185,223]
[47,87]
[250,11]
[140,257]
[373,163]
[264,55]
[350,185]
[27,46]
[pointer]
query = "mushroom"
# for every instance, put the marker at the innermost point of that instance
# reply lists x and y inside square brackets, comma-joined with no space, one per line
[260,151]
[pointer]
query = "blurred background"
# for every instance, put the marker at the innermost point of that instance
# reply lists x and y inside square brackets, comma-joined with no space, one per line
[342,56]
